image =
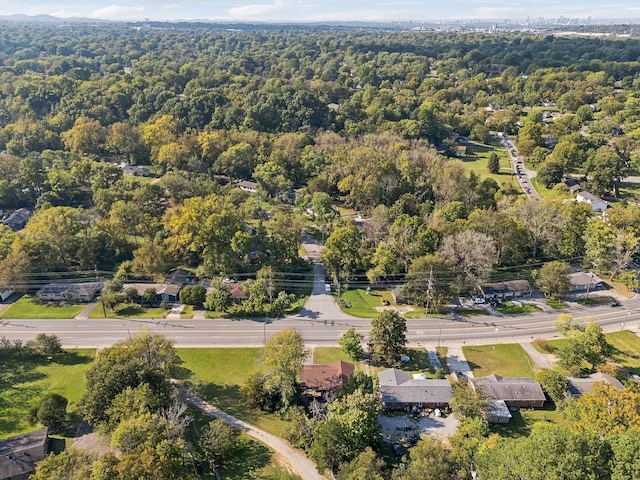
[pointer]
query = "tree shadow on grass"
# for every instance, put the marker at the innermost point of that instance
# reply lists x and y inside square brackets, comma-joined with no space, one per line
[73,358]
[250,456]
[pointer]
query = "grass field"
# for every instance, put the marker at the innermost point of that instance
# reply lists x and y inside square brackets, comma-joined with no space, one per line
[27,307]
[626,349]
[130,311]
[557,303]
[508,360]
[510,308]
[359,304]
[477,159]
[325,355]
[523,419]
[218,373]
[38,378]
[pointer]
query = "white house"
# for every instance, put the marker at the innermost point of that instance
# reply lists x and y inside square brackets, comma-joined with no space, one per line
[597,204]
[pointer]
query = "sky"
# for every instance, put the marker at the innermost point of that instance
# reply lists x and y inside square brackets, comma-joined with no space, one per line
[324,10]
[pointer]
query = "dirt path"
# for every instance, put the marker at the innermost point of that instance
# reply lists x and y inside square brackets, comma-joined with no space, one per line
[298,461]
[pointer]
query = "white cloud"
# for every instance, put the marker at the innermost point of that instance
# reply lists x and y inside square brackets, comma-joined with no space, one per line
[258,10]
[118,12]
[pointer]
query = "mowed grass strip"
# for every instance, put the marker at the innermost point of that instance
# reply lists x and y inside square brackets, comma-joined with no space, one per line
[507,360]
[27,307]
[626,349]
[324,355]
[66,377]
[359,304]
[218,374]
[129,311]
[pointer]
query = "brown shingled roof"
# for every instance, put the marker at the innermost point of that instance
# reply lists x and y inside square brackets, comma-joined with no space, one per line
[326,377]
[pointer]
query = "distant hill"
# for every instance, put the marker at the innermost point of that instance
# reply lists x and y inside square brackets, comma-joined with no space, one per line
[20,18]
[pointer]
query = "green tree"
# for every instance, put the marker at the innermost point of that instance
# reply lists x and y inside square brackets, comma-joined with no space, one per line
[51,411]
[218,442]
[553,279]
[428,459]
[351,343]
[625,460]
[68,465]
[467,402]
[48,346]
[493,163]
[553,383]
[284,354]
[343,255]
[388,337]
[193,295]
[366,466]
[219,299]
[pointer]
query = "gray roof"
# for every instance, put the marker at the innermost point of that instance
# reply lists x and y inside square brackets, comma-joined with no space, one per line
[510,286]
[161,288]
[579,386]
[397,387]
[418,391]
[81,289]
[590,197]
[19,454]
[517,389]
[579,279]
[392,377]
[497,409]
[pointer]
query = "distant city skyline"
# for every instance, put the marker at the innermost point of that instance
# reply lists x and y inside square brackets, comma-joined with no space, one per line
[325,10]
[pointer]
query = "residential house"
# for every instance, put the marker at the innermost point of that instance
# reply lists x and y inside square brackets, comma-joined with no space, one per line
[597,204]
[507,289]
[69,292]
[580,386]
[18,219]
[324,381]
[514,391]
[236,289]
[137,170]
[181,277]
[164,291]
[573,184]
[583,281]
[398,391]
[460,150]
[20,454]
[248,186]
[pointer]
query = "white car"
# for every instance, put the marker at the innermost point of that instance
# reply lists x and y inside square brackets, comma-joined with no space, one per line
[327,287]
[479,301]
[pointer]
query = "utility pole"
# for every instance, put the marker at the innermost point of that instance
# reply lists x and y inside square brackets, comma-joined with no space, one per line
[586,297]
[429,288]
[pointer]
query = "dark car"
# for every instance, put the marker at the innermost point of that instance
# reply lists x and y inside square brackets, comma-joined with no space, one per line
[614,303]
[397,449]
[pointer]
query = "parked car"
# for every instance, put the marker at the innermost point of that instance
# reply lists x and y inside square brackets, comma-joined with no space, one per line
[397,449]
[614,303]
[479,301]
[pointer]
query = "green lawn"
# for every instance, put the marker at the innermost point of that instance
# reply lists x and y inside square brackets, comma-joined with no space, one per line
[359,304]
[626,349]
[218,373]
[27,307]
[130,311]
[477,159]
[557,303]
[324,355]
[471,312]
[541,189]
[508,360]
[523,419]
[38,378]
[510,308]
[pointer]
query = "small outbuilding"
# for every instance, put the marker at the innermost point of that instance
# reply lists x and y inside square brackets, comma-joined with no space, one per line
[583,281]
[498,412]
